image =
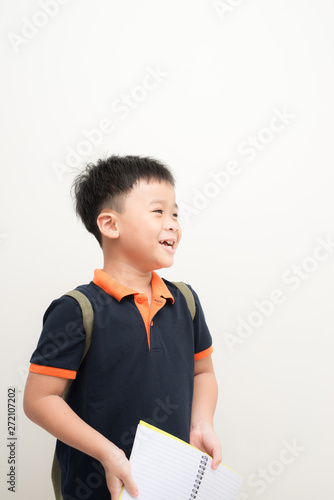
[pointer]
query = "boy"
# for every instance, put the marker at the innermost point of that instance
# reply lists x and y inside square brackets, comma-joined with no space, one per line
[148,359]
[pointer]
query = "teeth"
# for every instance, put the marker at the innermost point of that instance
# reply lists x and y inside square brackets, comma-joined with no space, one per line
[169,242]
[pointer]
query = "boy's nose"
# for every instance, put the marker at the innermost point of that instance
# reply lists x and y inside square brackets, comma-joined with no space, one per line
[171,226]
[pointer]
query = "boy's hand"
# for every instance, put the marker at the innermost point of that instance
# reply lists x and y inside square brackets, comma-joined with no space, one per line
[118,472]
[204,438]
[44,406]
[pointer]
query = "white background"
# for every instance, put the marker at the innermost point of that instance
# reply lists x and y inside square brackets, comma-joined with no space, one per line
[226,71]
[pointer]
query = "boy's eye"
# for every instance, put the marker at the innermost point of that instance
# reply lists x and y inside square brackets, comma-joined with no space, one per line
[160,211]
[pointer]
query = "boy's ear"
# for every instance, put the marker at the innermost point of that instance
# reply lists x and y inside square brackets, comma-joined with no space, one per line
[108,224]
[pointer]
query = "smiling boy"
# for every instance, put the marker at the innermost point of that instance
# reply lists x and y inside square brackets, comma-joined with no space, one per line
[148,360]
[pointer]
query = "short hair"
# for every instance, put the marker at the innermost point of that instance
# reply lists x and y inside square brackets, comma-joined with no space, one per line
[105,183]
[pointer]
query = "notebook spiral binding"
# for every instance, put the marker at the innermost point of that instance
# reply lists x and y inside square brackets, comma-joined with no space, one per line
[199,476]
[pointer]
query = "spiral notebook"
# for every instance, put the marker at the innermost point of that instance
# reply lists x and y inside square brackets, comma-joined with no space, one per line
[166,468]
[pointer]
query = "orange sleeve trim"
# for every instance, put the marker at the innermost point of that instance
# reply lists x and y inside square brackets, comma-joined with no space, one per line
[54,372]
[203,354]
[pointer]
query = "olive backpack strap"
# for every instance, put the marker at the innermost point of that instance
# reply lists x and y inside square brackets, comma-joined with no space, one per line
[88,321]
[188,295]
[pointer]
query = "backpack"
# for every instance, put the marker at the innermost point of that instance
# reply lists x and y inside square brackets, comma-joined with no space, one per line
[88,321]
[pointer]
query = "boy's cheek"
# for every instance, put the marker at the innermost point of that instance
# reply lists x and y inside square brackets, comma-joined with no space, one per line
[179,235]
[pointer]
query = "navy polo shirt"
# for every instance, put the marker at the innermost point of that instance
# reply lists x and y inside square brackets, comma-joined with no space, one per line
[140,366]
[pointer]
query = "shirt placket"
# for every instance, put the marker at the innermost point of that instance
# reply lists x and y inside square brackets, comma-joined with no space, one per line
[148,313]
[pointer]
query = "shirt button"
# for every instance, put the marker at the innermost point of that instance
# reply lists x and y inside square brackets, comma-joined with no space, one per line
[139,300]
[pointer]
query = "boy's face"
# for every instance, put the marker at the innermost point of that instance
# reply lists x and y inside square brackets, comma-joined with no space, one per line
[149,231]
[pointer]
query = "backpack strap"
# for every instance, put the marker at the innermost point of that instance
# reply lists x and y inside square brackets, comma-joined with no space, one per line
[188,295]
[88,321]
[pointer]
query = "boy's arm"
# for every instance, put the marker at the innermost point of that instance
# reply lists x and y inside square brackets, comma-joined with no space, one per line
[202,435]
[44,405]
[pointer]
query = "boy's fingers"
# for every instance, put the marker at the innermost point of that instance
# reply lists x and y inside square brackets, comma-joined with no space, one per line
[115,494]
[215,464]
[130,485]
[216,458]
[115,489]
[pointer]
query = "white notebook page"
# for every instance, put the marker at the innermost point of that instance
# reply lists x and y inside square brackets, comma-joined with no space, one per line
[220,484]
[165,469]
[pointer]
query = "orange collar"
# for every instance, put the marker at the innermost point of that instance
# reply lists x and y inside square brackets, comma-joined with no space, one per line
[118,291]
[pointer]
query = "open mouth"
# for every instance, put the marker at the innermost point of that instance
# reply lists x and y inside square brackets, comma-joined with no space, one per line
[167,243]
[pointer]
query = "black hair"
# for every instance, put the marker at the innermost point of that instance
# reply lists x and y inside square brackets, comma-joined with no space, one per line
[105,183]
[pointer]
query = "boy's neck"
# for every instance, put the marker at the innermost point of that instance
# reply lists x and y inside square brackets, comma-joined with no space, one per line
[129,276]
